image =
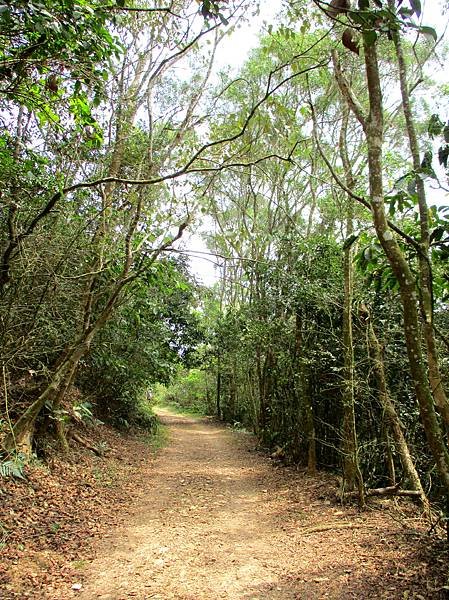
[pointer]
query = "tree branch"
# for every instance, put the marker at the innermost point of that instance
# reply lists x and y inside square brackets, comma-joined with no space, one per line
[185,170]
[346,91]
[163,9]
[350,193]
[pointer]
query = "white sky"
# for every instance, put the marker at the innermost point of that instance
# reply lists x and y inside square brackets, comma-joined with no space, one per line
[235,49]
[232,52]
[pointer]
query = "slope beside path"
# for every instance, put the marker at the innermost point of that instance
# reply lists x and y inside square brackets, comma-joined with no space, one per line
[219,520]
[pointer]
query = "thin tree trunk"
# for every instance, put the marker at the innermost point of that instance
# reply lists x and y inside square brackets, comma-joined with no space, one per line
[262,416]
[401,269]
[352,473]
[391,417]
[22,433]
[425,270]
[305,400]
[64,388]
[218,389]
[389,459]
[373,128]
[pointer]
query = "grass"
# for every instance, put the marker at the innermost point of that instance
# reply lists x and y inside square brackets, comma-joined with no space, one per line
[105,476]
[180,410]
[158,438]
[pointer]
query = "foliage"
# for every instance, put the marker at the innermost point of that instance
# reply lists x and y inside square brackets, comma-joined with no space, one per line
[107,155]
[85,269]
[13,466]
[191,389]
[275,327]
[53,52]
[150,335]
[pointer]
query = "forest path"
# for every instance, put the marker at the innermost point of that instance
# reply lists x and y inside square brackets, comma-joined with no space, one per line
[218,520]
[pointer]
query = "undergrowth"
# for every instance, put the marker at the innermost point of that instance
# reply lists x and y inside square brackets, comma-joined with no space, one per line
[158,438]
[174,407]
[13,466]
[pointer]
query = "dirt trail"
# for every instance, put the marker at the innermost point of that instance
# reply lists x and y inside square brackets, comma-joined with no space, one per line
[219,521]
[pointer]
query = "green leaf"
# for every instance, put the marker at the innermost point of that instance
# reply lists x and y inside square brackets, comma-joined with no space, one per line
[12,468]
[205,8]
[304,27]
[370,37]
[359,19]
[416,7]
[426,162]
[437,234]
[428,32]
[350,240]
[368,253]
[435,126]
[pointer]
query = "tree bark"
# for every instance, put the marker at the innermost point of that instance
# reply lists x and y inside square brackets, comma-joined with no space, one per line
[373,127]
[391,417]
[352,473]
[408,290]
[425,269]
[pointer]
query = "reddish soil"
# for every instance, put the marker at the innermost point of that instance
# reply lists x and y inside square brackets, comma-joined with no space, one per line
[212,518]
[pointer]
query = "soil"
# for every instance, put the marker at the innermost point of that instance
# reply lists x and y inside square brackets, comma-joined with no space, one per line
[211,517]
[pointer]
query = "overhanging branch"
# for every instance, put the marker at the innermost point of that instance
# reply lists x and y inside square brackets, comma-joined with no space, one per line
[359,199]
[188,167]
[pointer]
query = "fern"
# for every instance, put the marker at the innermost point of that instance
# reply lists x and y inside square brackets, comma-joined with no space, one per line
[12,468]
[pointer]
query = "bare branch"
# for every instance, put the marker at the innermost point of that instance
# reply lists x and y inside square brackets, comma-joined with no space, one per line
[162,9]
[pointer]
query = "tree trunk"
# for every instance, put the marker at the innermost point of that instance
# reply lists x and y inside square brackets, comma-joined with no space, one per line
[352,474]
[425,270]
[64,388]
[389,459]
[218,389]
[391,417]
[262,416]
[305,401]
[22,432]
[408,290]
[21,436]
[373,128]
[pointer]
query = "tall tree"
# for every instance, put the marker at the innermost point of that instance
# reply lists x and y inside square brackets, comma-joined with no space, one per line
[373,126]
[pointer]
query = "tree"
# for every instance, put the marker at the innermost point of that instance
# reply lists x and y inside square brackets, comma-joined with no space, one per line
[123,226]
[372,124]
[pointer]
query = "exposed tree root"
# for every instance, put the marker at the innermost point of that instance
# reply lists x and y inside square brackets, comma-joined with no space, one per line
[392,490]
[85,443]
[335,526]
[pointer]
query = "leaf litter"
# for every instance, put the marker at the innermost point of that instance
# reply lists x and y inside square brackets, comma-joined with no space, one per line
[211,517]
